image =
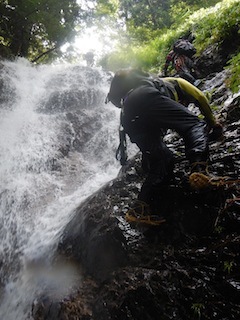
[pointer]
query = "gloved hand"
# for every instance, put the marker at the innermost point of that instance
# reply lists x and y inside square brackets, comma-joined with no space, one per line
[216,133]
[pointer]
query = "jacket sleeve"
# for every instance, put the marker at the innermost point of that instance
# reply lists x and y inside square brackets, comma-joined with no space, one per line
[197,96]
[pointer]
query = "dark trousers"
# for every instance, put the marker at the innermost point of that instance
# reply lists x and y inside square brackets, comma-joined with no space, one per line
[145,119]
[158,163]
[187,76]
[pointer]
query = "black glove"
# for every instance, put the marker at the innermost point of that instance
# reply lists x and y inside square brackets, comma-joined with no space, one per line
[216,133]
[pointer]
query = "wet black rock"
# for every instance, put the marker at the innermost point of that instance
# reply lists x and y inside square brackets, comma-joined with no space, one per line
[215,57]
[188,268]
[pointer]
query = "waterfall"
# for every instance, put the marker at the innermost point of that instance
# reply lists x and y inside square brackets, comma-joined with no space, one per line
[57,142]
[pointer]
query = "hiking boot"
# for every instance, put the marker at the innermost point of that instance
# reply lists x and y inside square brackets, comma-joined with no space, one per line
[141,213]
[199,177]
[199,166]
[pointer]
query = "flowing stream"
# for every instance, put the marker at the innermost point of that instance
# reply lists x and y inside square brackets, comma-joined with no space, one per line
[57,147]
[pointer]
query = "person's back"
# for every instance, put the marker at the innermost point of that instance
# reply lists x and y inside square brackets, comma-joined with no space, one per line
[89,57]
[184,47]
[181,58]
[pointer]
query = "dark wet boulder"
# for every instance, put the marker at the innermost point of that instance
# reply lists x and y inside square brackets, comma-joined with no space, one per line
[215,57]
[94,237]
[233,112]
[185,269]
[210,61]
[83,88]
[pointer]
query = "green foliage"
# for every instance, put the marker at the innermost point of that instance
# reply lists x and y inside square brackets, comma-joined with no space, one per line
[152,14]
[31,27]
[209,25]
[142,34]
[124,58]
[180,12]
[218,229]
[129,56]
[230,149]
[197,309]
[108,7]
[215,24]
[234,67]
[228,266]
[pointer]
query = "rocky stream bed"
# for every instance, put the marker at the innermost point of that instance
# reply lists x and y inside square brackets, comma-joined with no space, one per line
[188,268]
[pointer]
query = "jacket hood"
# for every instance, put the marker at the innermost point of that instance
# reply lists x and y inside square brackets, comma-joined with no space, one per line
[124,81]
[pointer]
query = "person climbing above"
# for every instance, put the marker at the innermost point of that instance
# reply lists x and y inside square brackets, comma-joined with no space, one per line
[89,57]
[181,59]
[150,106]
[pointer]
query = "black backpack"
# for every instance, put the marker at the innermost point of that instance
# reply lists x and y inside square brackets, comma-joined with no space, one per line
[183,46]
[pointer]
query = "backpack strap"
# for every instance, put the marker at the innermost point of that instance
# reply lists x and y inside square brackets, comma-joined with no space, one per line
[160,85]
[121,152]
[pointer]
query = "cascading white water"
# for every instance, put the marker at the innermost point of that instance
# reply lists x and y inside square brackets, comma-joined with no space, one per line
[57,142]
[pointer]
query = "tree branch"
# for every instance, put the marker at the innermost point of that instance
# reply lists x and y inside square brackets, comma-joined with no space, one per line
[43,54]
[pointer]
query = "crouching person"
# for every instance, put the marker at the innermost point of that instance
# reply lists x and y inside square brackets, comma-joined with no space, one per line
[150,106]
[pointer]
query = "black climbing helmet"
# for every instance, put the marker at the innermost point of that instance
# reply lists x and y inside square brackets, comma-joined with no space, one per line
[122,82]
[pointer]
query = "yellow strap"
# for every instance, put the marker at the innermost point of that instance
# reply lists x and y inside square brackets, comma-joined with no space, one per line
[199,180]
[140,216]
[145,220]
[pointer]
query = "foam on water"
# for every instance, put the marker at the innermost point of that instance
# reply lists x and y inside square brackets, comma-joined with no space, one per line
[37,201]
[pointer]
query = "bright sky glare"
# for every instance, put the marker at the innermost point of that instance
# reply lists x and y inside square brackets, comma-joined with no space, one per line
[93,41]
[97,40]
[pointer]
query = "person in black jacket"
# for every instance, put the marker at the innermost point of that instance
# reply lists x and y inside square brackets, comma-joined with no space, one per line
[152,105]
[182,61]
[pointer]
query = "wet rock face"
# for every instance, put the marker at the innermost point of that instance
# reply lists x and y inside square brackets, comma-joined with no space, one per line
[94,239]
[186,269]
[215,57]
[177,284]
[79,89]
[210,61]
